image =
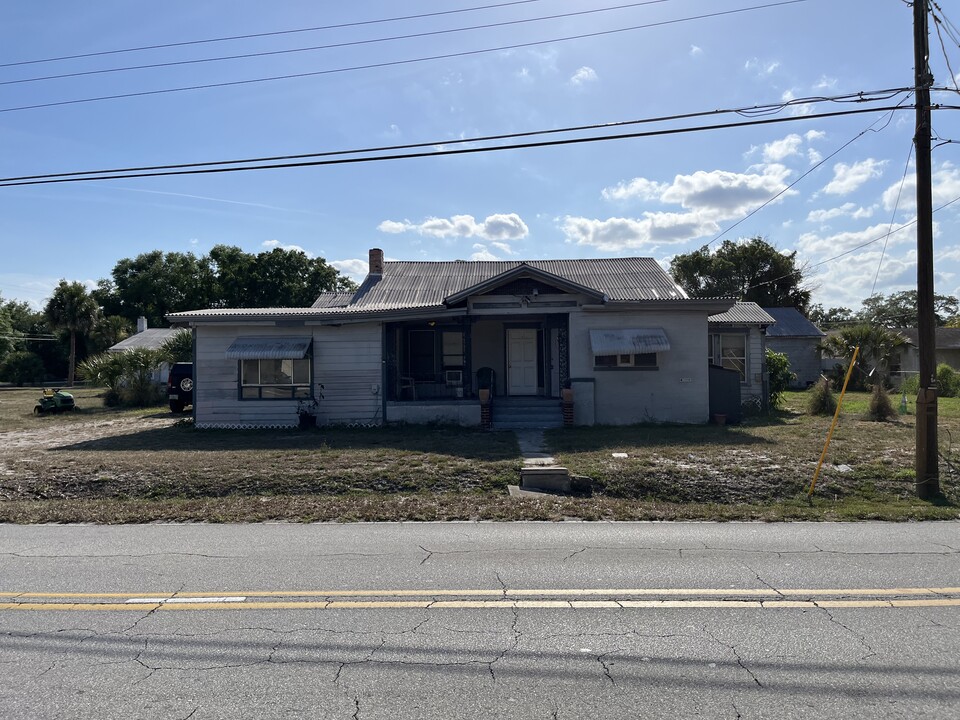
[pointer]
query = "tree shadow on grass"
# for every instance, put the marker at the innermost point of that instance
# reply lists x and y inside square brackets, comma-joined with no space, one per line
[440,439]
[597,438]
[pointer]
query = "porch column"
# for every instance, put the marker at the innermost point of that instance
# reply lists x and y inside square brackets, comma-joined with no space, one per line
[467,328]
[563,342]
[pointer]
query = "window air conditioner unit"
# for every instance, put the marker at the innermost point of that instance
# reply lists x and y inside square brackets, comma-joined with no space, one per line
[454,378]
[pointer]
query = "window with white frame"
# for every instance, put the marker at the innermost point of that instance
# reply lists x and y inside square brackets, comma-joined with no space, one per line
[265,379]
[647,361]
[730,351]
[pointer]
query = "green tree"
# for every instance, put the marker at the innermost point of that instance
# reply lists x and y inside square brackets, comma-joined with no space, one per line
[178,347]
[20,367]
[751,270]
[899,309]
[828,319]
[72,309]
[779,375]
[154,284]
[108,331]
[878,346]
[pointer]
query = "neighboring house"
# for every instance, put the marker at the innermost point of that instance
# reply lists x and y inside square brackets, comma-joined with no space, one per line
[736,342]
[798,339]
[418,339]
[947,350]
[150,338]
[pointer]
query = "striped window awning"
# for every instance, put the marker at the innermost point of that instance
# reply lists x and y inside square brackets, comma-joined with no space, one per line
[624,342]
[274,348]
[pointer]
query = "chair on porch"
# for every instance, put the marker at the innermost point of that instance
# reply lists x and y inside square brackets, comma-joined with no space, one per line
[406,383]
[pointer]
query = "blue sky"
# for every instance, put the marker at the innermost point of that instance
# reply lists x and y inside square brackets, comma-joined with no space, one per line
[654,197]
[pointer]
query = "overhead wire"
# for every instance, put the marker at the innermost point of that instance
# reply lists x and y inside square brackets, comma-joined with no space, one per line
[893,217]
[804,175]
[861,97]
[274,33]
[330,46]
[943,48]
[396,63]
[459,151]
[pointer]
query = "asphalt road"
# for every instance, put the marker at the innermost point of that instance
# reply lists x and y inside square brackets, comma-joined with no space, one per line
[524,620]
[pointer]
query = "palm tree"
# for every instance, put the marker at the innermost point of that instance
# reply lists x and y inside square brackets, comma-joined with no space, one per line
[878,348]
[73,309]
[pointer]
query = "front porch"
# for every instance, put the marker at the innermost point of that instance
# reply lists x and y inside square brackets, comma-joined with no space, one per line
[450,360]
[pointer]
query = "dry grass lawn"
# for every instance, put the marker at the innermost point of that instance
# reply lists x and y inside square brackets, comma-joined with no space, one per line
[108,466]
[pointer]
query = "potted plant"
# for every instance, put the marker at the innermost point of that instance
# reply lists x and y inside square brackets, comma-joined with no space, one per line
[307,411]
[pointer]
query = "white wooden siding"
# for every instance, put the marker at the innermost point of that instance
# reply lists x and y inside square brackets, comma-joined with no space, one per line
[348,362]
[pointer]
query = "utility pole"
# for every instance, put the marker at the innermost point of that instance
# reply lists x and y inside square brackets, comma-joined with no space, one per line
[927,463]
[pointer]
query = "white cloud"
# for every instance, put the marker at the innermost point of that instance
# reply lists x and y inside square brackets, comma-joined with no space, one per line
[273,244]
[796,110]
[825,83]
[584,75]
[812,135]
[851,210]
[503,247]
[494,227]
[763,68]
[637,188]
[814,156]
[946,187]
[354,268]
[847,178]
[654,229]
[482,253]
[727,194]
[782,149]
[696,51]
[831,244]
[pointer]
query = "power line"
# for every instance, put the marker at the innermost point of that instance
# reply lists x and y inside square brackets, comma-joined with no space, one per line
[267,34]
[804,175]
[896,206]
[859,97]
[460,151]
[351,43]
[395,63]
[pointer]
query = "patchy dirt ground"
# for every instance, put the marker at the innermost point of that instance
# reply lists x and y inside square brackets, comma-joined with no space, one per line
[128,466]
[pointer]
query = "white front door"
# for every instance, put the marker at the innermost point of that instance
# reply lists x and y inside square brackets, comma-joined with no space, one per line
[521,361]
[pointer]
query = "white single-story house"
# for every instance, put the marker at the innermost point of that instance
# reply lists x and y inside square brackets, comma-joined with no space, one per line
[946,351]
[152,339]
[799,339]
[419,340]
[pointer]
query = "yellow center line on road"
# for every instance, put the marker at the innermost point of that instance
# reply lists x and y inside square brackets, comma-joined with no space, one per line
[505,593]
[485,604]
[427,599]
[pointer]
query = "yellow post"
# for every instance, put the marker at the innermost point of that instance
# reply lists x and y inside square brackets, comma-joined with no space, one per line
[836,416]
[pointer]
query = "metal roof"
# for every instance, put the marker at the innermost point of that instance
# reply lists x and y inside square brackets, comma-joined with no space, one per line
[744,312]
[617,342]
[151,338]
[268,348]
[414,288]
[421,284]
[333,299]
[790,322]
[946,338]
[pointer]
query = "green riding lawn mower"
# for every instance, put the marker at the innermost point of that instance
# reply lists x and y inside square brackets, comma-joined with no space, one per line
[54,401]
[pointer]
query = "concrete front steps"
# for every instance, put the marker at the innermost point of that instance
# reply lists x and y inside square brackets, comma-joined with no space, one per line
[521,412]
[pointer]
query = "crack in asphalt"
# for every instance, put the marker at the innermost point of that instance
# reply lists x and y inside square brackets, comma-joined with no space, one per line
[764,582]
[736,655]
[860,638]
[575,552]
[118,555]
[606,668]
[151,612]
[192,713]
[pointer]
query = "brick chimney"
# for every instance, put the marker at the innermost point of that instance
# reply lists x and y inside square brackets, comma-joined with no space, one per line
[376,261]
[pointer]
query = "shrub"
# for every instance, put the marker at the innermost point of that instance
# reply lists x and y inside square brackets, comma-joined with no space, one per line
[948,382]
[820,399]
[910,384]
[880,406]
[22,367]
[780,377]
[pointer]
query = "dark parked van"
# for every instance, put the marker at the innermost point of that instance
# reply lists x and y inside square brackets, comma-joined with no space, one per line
[180,386]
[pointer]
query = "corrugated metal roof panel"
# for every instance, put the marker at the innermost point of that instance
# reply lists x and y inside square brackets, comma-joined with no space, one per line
[744,312]
[617,342]
[790,322]
[269,348]
[332,299]
[151,338]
